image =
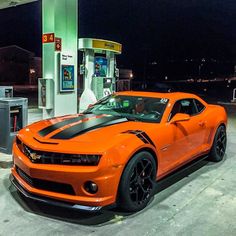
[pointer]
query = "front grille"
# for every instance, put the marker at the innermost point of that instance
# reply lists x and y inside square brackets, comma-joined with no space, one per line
[45,185]
[41,157]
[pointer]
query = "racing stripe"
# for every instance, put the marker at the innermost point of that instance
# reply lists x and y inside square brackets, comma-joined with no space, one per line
[148,138]
[86,126]
[49,129]
[141,135]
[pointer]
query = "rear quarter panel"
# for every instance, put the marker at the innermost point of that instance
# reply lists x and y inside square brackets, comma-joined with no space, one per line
[216,116]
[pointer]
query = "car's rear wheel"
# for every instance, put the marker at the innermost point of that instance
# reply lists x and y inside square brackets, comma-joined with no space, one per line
[219,145]
[137,182]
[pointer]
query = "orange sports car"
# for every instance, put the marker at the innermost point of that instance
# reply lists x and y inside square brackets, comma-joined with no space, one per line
[117,150]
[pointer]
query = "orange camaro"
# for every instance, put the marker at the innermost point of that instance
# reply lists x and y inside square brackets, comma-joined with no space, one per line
[116,150]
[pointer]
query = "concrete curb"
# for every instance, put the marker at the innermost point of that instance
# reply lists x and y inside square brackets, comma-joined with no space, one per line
[5,164]
[32,110]
[227,103]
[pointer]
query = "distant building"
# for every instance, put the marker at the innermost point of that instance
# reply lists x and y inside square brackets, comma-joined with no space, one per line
[35,70]
[18,66]
[125,78]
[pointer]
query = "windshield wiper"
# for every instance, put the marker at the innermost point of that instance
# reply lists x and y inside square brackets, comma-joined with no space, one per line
[129,118]
[87,112]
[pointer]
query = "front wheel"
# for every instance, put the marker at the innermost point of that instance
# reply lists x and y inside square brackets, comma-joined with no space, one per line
[219,145]
[137,182]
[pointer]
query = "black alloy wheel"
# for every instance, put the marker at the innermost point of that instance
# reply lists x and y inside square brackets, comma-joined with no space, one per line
[138,182]
[219,145]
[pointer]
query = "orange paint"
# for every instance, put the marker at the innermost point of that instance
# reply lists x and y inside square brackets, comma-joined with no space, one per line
[174,144]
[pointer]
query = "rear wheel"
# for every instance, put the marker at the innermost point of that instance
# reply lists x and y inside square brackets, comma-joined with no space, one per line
[137,182]
[219,145]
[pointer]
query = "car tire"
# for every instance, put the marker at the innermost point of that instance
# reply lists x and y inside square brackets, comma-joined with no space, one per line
[137,182]
[219,145]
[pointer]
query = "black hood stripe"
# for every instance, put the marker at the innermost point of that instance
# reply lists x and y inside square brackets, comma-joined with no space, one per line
[141,135]
[86,126]
[49,129]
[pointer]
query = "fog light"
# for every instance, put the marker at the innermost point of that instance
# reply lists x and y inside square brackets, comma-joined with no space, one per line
[91,187]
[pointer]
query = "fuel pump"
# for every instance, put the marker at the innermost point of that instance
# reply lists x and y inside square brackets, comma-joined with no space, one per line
[99,65]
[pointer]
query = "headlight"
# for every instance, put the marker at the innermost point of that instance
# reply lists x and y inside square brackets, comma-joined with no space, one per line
[41,157]
[17,140]
[81,159]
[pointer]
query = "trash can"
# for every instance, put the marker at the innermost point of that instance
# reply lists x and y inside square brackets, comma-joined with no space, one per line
[6,91]
[13,117]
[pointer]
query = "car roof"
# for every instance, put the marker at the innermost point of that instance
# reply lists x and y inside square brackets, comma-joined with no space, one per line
[171,95]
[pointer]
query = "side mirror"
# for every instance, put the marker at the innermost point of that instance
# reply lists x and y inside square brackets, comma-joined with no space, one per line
[180,117]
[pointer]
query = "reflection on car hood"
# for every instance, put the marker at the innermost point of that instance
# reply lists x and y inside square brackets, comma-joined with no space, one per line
[75,126]
[83,132]
[82,126]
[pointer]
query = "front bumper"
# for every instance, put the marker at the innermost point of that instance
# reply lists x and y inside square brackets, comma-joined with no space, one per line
[106,178]
[54,202]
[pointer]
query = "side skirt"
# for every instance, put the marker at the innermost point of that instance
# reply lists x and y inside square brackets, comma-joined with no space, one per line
[180,173]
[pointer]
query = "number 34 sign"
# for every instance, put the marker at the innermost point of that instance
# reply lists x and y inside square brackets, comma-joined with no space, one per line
[48,38]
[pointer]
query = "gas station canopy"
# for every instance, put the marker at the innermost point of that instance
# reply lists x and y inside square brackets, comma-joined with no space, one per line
[13,3]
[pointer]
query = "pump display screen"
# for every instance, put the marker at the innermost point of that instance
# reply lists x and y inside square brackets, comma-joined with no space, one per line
[100,66]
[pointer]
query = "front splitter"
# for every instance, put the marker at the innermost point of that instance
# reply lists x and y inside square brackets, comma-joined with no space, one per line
[51,201]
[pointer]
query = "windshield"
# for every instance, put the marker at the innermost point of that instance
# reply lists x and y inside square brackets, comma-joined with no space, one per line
[145,109]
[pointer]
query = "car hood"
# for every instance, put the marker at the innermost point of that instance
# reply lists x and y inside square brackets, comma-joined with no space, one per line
[86,132]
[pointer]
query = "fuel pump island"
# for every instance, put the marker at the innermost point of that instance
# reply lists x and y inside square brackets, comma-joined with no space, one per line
[57,89]
[98,69]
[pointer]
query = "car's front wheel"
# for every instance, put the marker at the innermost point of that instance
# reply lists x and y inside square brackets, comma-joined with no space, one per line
[219,145]
[137,182]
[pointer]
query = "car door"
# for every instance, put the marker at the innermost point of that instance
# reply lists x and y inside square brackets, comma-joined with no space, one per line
[185,137]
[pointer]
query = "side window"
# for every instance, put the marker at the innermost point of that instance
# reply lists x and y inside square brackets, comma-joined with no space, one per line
[199,105]
[188,107]
[185,106]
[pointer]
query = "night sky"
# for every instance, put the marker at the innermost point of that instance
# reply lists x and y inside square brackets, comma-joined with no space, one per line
[152,30]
